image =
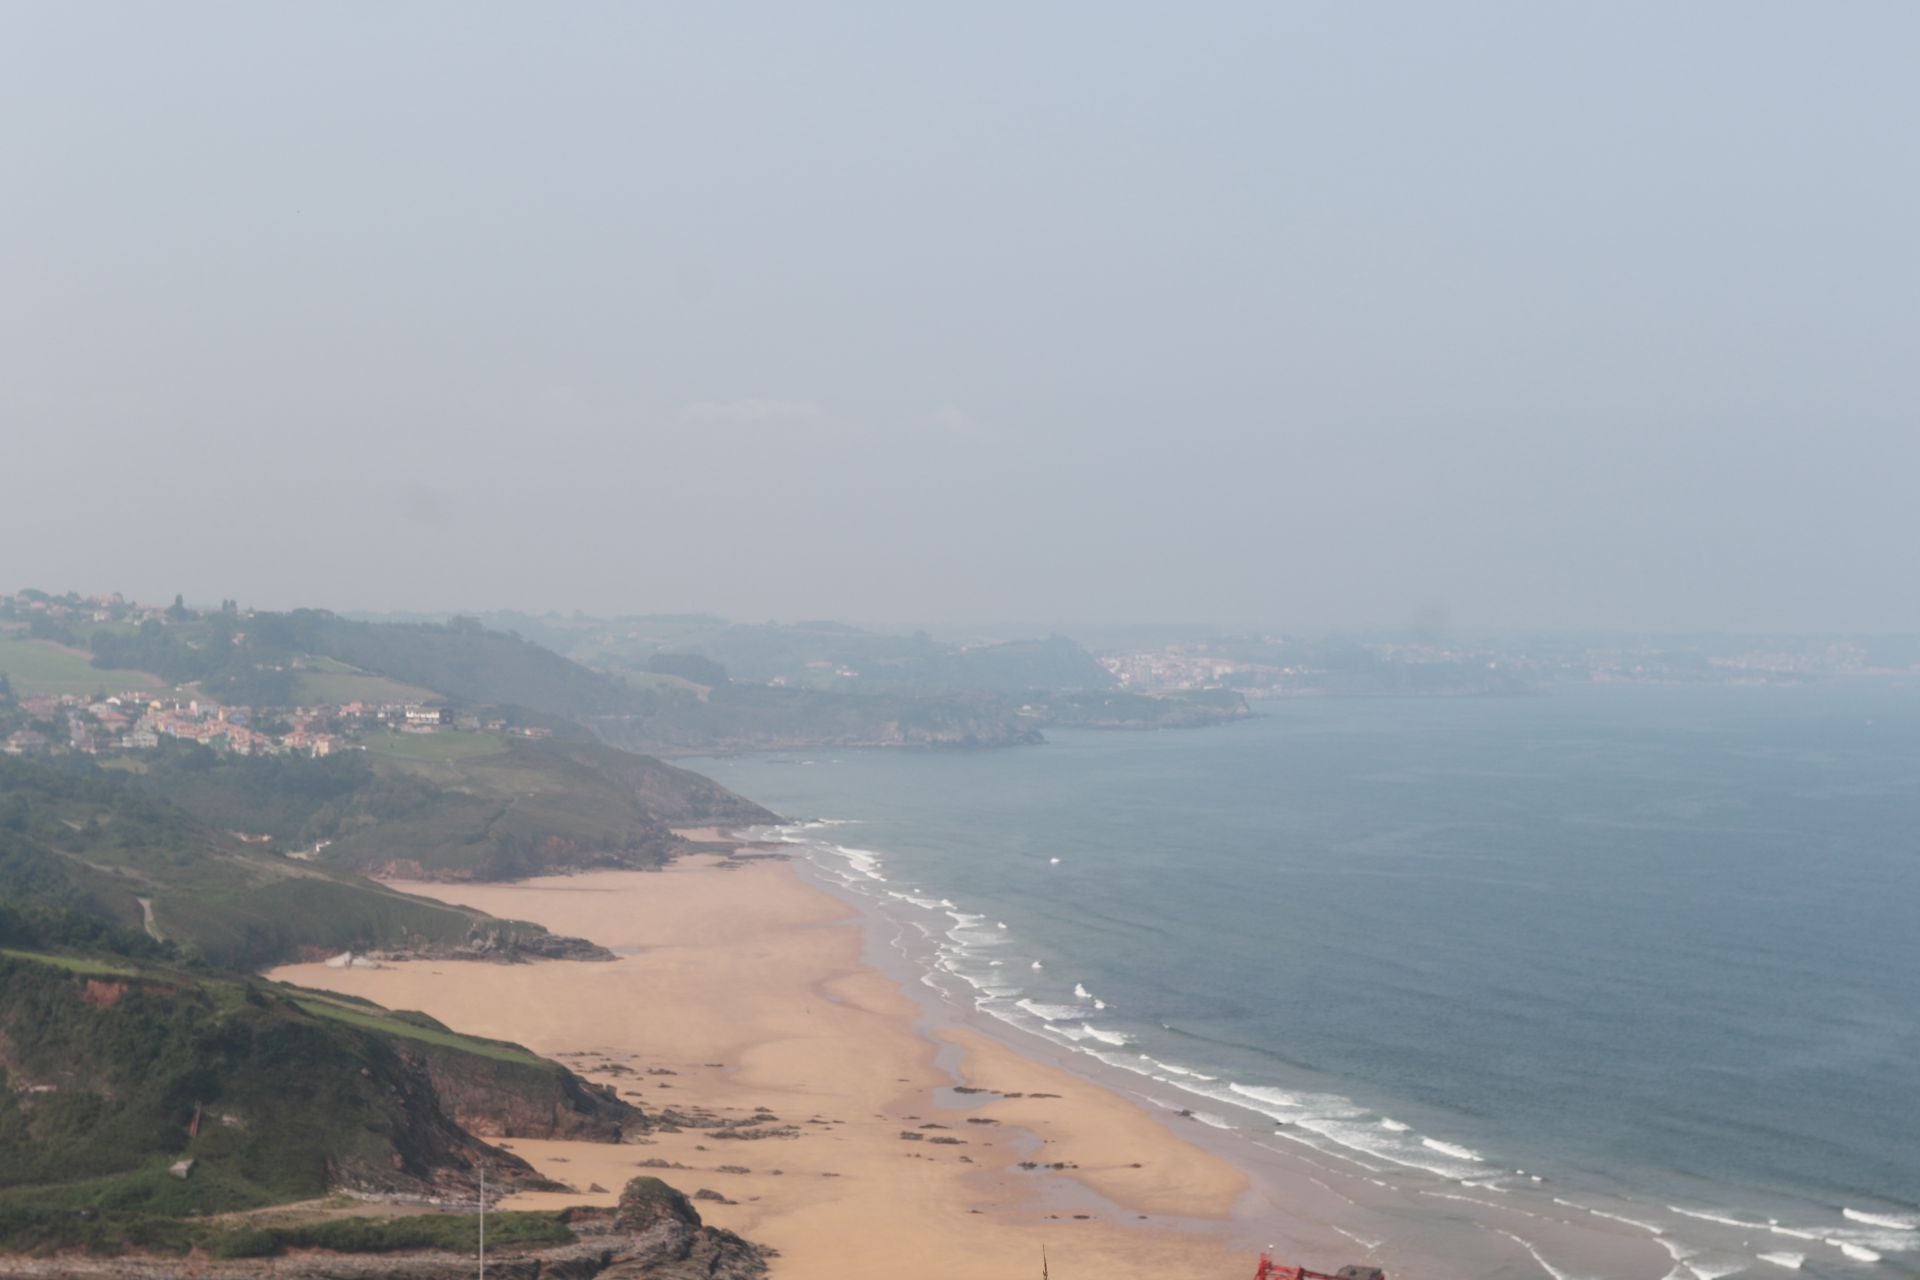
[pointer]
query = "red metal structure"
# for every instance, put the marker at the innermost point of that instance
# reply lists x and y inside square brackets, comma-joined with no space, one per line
[1271,1270]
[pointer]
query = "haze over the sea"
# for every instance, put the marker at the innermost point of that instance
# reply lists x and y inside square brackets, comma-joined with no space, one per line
[1312,315]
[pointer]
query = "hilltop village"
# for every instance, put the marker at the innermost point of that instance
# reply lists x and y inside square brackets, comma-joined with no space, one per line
[137,721]
[114,720]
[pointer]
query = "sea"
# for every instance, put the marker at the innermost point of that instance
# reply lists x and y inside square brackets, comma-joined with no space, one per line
[1647,953]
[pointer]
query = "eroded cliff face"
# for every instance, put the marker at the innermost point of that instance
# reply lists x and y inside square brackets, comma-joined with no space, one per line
[497,1098]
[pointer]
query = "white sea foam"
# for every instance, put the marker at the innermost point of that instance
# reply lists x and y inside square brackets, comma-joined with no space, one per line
[1791,1261]
[1393,1126]
[1177,1069]
[1038,965]
[1453,1149]
[1883,1219]
[1545,1266]
[1360,1240]
[1342,1122]
[1049,1012]
[1105,1037]
[1713,1266]
[1080,990]
[1099,1004]
[1287,1102]
[1719,1218]
[1654,1228]
[1858,1252]
[865,861]
[1484,1204]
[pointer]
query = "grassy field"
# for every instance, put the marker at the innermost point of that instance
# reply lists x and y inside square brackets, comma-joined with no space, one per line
[444,747]
[653,680]
[354,1234]
[395,1027]
[74,964]
[331,681]
[43,667]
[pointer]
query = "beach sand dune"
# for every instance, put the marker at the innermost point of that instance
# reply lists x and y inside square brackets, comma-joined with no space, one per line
[746,984]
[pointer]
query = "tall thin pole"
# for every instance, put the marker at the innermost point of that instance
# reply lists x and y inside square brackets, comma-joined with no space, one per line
[483,1221]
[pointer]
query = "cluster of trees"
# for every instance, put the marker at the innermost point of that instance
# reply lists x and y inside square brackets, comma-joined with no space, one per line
[296,800]
[203,648]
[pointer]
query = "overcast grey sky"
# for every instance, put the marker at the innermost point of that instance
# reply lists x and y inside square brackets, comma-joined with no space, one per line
[1543,314]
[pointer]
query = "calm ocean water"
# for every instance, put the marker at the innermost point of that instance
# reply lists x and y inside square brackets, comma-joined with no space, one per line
[1657,947]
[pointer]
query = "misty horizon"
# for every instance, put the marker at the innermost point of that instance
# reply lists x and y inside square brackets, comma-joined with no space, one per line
[1297,319]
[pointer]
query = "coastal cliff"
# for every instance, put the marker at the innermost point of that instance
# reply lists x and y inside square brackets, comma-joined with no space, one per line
[168,1092]
[520,1097]
[136,1097]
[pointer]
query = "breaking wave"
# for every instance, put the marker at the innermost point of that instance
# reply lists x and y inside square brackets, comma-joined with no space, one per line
[1453,1149]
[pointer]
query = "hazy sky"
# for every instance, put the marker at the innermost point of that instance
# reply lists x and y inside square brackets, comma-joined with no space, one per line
[1537,314]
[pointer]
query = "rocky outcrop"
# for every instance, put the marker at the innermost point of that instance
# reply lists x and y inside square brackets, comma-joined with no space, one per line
[502,940]
[667,1240]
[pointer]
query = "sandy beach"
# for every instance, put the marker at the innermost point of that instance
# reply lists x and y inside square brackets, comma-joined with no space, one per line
[740,989]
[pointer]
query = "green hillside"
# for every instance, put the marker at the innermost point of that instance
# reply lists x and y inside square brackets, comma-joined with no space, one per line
[270,659]
[131,1042]
[508,809]
[83,839]
[119,1067]
[328,680]
[43,667]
